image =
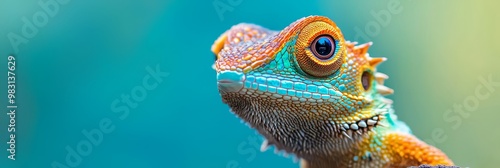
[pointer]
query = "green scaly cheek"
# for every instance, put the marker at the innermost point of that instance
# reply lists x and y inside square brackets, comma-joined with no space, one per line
[282,79]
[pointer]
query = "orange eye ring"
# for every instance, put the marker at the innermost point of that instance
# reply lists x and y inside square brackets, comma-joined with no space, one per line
[325,62]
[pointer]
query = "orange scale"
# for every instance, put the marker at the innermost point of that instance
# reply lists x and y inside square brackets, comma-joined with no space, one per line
[247,57]
[242,66]
[253,59]
[268,50]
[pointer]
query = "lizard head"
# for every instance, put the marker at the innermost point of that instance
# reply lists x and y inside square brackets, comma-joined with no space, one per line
[305,89]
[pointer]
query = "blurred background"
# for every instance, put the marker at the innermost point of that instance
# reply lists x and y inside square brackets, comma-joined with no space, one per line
[82,71]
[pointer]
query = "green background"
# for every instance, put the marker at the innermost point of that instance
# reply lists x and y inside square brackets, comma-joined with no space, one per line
[91,52]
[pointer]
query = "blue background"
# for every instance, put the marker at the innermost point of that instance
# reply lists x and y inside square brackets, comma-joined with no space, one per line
[91,52]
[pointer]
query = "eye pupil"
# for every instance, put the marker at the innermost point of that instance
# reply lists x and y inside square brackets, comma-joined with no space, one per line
[323,47]
[366,80]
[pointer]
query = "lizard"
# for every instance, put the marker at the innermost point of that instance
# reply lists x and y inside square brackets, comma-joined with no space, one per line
[312,94]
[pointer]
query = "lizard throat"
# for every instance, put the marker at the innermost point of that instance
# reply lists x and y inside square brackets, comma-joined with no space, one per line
[294,129]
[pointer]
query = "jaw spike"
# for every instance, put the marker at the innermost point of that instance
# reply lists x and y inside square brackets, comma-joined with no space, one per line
[384,90]
[375,61]
[351,44]
[387,101]
[264,146]
[383,125]
[362,49]
[345,134]
[380,77]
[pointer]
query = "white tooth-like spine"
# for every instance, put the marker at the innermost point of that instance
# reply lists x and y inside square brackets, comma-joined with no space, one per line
[349,132]
[346,126]
[371,122]
[386,100]
[354,127]
[380,77]
[381,124]
[279,151]
[384,90]
[352,131]
[345,134]
[264,146]
[362,124]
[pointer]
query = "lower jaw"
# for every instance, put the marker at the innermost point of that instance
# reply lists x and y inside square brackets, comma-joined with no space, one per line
[283,129]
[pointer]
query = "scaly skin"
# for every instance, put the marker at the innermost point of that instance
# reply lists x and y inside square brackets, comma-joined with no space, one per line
[326,109]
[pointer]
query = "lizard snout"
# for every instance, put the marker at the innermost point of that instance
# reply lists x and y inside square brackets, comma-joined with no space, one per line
[230,81]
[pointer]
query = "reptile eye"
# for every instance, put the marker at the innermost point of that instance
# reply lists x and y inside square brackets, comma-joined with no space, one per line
[323,47]
[319,48]
[366,80]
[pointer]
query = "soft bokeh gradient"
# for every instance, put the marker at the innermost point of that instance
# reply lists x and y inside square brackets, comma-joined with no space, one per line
[92,52]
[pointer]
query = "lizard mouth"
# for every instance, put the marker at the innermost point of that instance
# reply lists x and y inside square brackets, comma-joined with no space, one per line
[353,130]
[230,81]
